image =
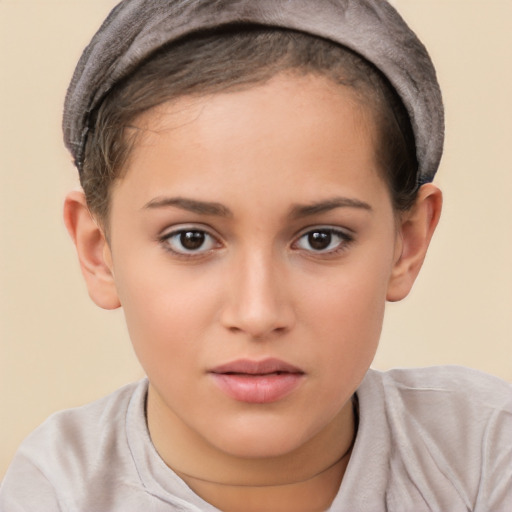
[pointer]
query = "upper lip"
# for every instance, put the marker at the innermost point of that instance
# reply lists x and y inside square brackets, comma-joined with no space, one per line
[251,367]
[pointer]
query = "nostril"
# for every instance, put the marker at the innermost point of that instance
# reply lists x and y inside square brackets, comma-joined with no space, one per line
[258,334]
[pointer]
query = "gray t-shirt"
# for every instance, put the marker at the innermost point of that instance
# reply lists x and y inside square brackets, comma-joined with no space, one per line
[433,439]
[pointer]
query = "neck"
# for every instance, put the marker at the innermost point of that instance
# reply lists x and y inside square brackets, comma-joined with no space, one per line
[311,495]
[305,479]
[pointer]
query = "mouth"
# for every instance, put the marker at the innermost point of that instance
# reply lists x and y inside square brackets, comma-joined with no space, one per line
[257,382]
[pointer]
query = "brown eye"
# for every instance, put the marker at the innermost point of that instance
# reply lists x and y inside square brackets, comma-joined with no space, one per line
[192,240]
[323,240]
[189,241]
[319,240]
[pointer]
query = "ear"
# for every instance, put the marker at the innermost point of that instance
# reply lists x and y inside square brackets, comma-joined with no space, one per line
[93,251]
[416,227]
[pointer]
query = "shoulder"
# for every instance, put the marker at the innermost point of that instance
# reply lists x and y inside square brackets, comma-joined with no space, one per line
[84,428]
[471,387]
[449,377]
[449,428]
[443,401]
[71,447]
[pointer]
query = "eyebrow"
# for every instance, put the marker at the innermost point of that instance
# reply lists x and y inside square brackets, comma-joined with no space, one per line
[191,205]
[299,211]
[217,209]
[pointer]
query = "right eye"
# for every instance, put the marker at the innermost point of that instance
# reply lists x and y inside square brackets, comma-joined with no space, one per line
[189,242]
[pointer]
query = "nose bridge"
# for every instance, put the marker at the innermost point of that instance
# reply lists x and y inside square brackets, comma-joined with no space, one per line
[258,303]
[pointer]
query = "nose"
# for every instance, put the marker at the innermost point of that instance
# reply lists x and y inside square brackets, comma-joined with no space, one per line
[259,303]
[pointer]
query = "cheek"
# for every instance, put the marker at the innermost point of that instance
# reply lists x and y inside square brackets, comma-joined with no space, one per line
[168,312]
[349,300]
[346,314]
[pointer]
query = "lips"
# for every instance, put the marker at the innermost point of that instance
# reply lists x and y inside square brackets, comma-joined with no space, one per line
[257,382]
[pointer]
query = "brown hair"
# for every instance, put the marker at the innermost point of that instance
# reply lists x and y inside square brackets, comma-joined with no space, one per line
[240,56]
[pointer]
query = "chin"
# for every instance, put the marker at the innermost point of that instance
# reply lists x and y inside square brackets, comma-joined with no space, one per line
[259,439]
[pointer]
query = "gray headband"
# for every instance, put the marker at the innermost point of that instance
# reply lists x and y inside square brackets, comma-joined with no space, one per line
[372,28]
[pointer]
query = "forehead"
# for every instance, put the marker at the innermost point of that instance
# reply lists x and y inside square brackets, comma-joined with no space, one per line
[292,130]
[285,106]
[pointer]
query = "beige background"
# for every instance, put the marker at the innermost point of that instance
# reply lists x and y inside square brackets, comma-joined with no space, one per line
[58,350]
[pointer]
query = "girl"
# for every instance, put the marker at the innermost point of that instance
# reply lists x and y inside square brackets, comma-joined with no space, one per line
[256,185]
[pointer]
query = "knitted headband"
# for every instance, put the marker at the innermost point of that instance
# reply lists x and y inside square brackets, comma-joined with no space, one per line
[372,28]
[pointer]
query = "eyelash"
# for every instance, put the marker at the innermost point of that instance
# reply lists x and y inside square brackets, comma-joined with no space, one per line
[344,240]
[167,239]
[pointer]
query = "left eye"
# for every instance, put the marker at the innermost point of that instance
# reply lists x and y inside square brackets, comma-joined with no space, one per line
[322,240]
[189,241]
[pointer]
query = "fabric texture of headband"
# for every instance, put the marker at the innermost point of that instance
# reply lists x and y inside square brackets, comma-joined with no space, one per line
[372,28]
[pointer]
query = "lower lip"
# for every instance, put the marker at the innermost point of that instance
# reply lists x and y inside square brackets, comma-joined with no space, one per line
[257,389]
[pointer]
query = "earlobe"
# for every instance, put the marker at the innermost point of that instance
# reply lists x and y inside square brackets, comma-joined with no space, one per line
[93,251]
[415,232]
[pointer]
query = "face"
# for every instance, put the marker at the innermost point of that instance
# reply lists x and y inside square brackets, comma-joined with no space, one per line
[252,241]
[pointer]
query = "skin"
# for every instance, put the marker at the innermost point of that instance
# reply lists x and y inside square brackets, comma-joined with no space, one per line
[250,165]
